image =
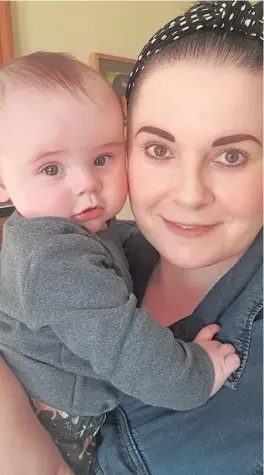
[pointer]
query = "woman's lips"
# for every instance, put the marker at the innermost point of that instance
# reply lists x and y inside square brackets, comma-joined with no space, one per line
[189,230]
[89,214]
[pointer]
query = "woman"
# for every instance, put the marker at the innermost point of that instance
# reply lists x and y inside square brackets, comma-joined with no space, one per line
[196,190]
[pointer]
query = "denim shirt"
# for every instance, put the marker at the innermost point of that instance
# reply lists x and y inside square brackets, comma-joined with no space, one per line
[222,437]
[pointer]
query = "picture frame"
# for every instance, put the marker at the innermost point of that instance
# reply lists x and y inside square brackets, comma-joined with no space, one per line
[116,70]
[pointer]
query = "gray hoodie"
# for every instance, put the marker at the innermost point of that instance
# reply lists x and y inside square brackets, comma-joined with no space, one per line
[71,331]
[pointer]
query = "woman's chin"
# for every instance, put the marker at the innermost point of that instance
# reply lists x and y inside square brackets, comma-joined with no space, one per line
[190,261]
[191,256]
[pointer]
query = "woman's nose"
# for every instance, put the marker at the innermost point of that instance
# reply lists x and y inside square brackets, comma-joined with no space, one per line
[193,191]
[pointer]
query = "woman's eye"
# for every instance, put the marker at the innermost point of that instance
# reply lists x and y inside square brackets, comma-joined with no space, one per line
[100,161]
[231,158]
[52,170]
[158,151]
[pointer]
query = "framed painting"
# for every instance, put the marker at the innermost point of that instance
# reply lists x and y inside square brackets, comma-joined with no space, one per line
[115,70]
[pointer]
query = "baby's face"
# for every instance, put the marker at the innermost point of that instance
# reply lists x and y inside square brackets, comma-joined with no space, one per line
[62,156]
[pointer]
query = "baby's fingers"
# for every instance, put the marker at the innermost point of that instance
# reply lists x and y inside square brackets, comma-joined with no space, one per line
[232,362]
[226,349]
[207,333]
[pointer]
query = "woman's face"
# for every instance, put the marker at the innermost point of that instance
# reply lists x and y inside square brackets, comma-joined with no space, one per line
[195,162]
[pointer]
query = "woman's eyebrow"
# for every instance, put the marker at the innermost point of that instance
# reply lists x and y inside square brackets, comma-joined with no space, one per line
[157,131]
[221,141]
[235,138]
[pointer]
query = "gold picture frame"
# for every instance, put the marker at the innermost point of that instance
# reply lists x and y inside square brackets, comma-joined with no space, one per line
[116,70]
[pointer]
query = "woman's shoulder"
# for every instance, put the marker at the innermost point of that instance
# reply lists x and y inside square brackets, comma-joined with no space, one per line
[131,237]
[125,228]
[134,243]
[141,255]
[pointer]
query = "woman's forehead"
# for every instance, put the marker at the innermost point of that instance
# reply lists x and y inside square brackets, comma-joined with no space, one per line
[194,94]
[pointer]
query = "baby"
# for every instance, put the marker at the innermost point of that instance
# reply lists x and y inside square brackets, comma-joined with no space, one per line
[70,328]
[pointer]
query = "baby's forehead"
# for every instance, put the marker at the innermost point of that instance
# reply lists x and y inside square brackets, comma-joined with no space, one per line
[30,104]
[59,115]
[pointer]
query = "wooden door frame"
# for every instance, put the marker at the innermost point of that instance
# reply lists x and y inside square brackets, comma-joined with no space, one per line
[6,55]
[6,39]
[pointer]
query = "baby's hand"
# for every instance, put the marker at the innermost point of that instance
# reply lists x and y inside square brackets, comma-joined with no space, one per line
[30,465]
[63,470]
[223,355]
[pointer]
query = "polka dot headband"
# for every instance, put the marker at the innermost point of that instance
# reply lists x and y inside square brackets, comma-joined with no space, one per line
[237,16]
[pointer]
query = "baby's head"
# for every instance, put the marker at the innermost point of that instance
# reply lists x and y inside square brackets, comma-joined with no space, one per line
[62,150]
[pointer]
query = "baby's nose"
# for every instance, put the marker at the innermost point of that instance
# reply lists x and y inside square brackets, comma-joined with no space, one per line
[87,183]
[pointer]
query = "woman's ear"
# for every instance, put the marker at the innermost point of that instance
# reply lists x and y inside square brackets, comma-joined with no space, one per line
[3,192]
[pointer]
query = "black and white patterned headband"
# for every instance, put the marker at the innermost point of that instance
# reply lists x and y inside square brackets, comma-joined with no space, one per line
[238,16]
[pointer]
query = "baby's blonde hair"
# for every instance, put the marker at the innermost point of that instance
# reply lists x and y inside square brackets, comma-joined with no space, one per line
[48,71]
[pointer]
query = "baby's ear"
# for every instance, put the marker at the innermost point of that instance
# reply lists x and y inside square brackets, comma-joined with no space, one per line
[3,193]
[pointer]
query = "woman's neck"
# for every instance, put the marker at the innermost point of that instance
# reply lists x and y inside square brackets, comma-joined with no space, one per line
[173,293]
[205,278]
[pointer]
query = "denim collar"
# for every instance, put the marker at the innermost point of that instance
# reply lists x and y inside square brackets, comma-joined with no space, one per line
[234,303]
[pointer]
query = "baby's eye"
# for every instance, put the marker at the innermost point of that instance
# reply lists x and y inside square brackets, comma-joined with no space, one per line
[52,170]
[158,151]
[232,157]
[101,161]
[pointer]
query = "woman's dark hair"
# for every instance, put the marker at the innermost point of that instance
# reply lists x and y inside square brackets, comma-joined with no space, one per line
[217,45]
[119,84]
